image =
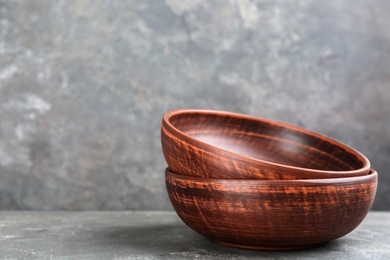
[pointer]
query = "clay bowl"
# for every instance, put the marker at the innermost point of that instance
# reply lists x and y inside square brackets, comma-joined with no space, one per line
[272,214]
[216,144]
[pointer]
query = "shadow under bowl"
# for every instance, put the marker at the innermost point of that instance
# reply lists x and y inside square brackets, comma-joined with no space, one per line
[272,214]
[217,144]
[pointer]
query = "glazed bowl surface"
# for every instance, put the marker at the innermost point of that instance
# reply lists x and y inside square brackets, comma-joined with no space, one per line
[272,214]
[217,144]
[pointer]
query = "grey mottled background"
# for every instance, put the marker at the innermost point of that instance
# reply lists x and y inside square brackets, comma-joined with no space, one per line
[84,84]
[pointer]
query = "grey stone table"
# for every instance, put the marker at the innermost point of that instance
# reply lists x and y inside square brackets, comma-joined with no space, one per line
[158,235]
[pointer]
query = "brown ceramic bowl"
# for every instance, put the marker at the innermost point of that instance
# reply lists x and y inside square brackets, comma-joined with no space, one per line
[272,214]
[216,144]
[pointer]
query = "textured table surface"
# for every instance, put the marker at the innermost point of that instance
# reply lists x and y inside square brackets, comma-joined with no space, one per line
[158,235]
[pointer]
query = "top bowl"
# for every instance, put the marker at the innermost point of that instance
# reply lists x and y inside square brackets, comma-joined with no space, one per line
[217,144]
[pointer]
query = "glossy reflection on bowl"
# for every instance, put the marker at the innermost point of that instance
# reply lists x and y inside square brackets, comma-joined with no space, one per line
[272,214]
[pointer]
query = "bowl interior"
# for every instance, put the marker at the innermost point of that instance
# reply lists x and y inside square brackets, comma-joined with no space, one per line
[268,141]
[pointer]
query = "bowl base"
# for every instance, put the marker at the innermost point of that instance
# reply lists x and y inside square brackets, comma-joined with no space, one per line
[269,248]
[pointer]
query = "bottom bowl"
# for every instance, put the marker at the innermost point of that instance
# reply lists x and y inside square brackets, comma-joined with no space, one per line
[272,214]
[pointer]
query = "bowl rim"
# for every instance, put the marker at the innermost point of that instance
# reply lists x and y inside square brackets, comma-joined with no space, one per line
[205,146]
[373,174]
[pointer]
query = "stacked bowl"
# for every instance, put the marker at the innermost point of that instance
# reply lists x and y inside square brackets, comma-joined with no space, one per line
[260,184]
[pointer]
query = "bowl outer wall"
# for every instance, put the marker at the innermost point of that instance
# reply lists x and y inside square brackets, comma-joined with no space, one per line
[272,214]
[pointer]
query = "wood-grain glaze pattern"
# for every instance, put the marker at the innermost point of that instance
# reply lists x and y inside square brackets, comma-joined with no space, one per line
[218,144]
[272,214]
